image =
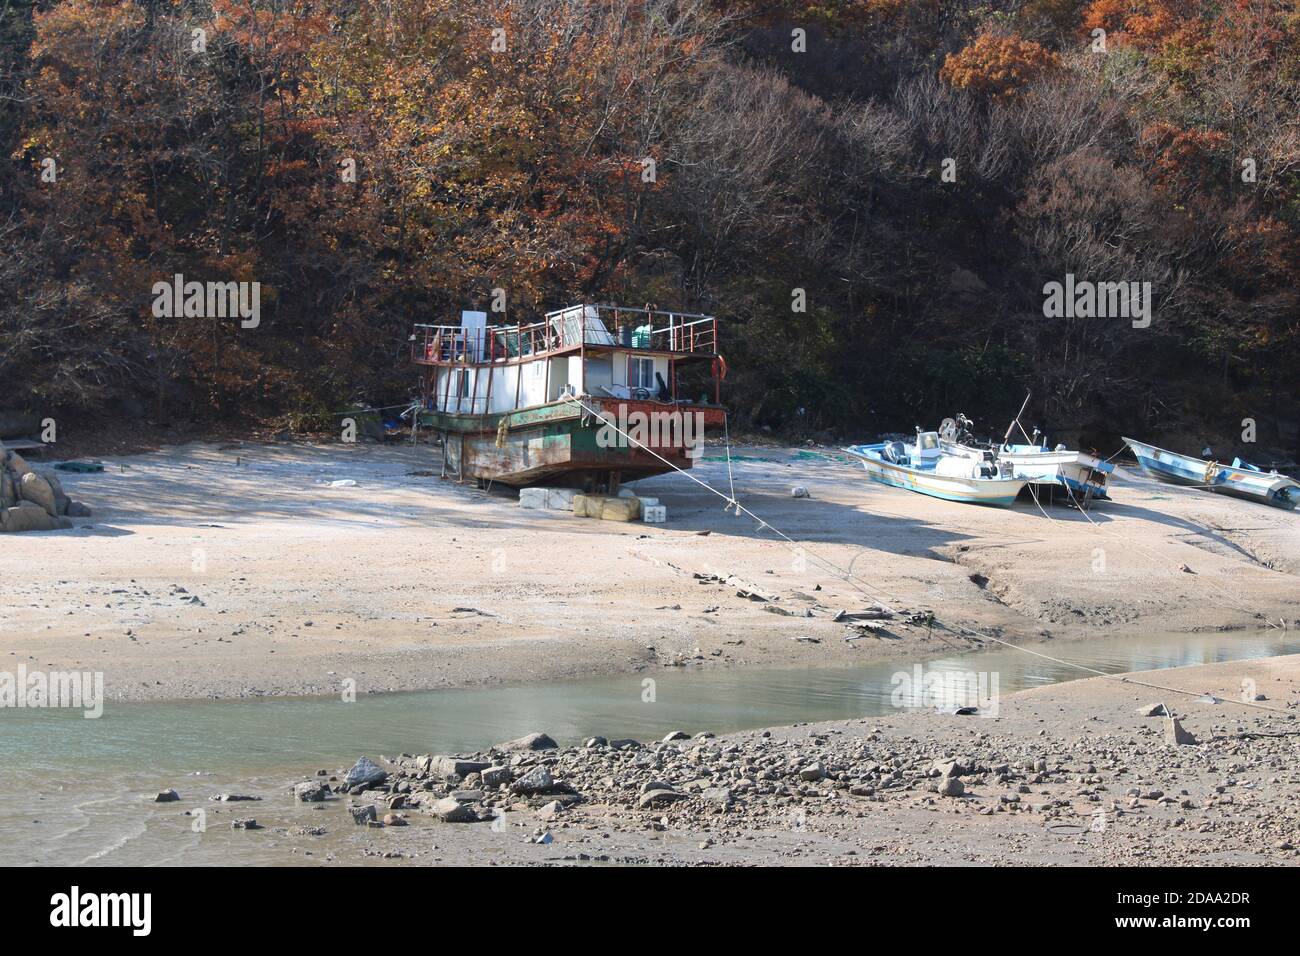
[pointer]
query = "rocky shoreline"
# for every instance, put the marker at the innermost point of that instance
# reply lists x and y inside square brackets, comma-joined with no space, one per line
[1120,786]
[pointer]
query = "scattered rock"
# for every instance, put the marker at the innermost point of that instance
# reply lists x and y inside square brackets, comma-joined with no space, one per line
[1175,734]
[458,767]
[496,776]
[537,780]
[451,810]
[363,773]
[534,741]
[167,796]
[951,787]
[313,791]
[363,815]
[658,798]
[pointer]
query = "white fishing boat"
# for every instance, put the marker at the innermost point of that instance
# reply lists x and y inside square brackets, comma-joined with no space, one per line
[1240,479]
[963,474]
[1084,476]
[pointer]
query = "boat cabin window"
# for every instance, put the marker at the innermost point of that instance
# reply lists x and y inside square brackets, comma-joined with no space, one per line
[927,444]
[641,373]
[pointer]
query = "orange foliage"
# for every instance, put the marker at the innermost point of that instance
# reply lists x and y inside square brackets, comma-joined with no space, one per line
[997,66]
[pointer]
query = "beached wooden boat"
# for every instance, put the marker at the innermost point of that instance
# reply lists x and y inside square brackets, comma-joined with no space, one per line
[565,401]
[1239,479]
[961,474]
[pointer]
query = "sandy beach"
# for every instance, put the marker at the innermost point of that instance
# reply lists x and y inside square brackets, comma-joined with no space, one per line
[239,570]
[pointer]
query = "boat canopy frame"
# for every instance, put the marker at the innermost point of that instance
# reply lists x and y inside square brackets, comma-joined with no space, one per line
[685,336]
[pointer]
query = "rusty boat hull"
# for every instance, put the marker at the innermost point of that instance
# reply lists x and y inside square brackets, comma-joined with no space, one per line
[588,443]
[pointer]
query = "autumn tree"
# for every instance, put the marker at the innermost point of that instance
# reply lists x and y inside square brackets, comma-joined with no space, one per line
[997,66]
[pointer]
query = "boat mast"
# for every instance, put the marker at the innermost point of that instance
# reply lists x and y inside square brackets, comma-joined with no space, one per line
[1016,421]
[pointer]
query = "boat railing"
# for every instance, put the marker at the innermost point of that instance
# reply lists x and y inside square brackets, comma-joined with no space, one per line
[566,329]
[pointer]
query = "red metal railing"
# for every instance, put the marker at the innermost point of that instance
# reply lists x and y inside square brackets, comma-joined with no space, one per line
[565,329]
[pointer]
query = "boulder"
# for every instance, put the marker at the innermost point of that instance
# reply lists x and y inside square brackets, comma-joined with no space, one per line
[61,500]
[17,465]
[951,787]
[658,798]
[451,810]
[534,741]
[36,489]
[952,768]
[457,766]
[812,773]
[363,773]
[537,780]
[8,490]
[675,735]
[313,791]
[28,516]
[167,796]
[77,510]
[495,776]
[363,815]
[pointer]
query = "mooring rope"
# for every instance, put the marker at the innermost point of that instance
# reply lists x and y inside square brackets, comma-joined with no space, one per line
[849,578]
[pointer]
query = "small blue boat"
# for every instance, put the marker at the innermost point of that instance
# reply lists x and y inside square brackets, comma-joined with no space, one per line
[954,474]
[1239,479]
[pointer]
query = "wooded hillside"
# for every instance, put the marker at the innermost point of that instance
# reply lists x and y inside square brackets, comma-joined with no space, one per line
[920,169]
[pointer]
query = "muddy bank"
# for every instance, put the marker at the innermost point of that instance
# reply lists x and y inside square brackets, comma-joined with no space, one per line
[241,570]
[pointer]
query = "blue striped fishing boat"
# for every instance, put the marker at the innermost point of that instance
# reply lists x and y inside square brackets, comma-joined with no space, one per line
[1240,479]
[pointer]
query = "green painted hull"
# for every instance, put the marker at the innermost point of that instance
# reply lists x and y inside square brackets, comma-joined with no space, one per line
[554,444]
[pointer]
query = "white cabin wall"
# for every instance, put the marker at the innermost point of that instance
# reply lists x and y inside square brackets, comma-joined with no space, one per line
[565,370]
[598,373]
[504,378]
[532,390]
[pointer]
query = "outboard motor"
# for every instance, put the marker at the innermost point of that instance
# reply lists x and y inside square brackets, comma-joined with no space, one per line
[894,452]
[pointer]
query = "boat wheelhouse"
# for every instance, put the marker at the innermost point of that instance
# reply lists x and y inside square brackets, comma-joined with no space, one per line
[589,397]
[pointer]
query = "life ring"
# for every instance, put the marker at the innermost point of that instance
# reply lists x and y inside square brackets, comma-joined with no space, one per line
[719,368]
